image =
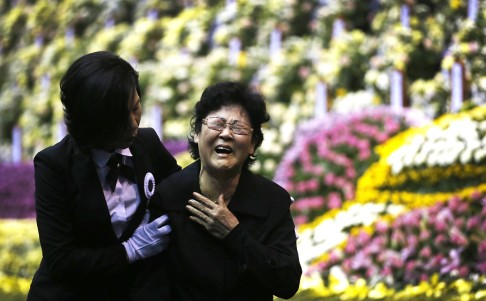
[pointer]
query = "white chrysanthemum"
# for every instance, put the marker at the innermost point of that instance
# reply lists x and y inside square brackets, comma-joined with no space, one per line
[314,242]
[459,142]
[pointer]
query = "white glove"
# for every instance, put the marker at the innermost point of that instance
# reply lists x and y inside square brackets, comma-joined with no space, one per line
[148,240]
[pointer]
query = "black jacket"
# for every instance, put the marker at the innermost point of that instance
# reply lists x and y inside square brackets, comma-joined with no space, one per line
[82,257]
[257,260]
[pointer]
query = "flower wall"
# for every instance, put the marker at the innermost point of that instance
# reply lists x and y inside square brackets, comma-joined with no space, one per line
[284,48]
[321,168]
[415,227]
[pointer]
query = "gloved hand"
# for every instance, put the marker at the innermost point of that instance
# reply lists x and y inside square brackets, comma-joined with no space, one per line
[148,240]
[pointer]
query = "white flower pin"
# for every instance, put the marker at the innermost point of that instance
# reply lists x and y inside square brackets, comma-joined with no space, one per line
[149,185]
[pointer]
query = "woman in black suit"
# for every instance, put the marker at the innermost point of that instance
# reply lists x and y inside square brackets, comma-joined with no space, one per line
[233,237]
[90,207]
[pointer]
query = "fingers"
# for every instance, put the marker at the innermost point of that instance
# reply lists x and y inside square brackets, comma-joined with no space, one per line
[202,199]
[164,230]
[198,209]
[161,220]
[199,221]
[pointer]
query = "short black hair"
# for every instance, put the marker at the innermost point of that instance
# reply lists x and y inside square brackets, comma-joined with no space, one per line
[95,91]
[224,94]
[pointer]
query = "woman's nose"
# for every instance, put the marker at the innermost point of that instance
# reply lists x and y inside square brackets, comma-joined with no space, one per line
[226,132]
[133,124]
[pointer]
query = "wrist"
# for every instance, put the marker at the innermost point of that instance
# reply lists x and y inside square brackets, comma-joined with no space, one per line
[130,254]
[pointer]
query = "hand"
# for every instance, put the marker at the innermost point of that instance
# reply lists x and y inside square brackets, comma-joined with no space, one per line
[148,240]
[215,217]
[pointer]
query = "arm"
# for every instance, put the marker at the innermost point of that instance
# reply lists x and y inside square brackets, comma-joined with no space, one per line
[76,245]
[63,254]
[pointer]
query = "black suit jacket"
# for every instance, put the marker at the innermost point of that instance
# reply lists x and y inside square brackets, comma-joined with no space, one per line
[82,257]
[257,260]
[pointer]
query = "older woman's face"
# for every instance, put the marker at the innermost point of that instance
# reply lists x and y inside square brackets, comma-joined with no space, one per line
[224,151]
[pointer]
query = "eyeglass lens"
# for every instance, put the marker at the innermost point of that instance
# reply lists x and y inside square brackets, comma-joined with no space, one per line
[218,123]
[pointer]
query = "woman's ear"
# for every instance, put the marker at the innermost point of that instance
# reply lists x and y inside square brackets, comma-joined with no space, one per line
[196,138]
[253,148]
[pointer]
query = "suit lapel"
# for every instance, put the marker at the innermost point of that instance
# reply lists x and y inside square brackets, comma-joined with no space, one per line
[86,182]
[143,165]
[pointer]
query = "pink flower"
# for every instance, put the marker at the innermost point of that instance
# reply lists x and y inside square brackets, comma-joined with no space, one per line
[309,203]
[412,219]
[424,235]
[387,271]
[348,190]
[334,200]
[300,187]
[425,252]
[410,266]
[412,240]
[312,184]
[481,267]
[463,271]
[424,277]
[300,219]
[476,195]
[381,227]
[350,247]
[459,223]
[454,203]
[398,238]
[440,240]
[364,154]
[363,238]
[350,172]
[329,178]
[458,238]
[441,221]
[482,248]
[335,256]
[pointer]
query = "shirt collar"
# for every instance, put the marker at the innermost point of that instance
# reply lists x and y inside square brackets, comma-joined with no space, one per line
[101,157]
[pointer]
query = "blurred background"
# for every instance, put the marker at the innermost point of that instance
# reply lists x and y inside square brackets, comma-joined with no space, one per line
[377,124]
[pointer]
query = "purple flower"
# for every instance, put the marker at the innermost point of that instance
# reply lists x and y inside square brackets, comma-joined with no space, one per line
[17,191]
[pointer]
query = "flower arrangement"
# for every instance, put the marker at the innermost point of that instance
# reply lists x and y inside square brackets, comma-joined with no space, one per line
[315,241]
[17,191]
[430,96]
[342,66]
[322,166]
[426,164]
[445,242]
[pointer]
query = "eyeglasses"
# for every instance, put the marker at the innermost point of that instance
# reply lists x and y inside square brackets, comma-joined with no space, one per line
[219,124]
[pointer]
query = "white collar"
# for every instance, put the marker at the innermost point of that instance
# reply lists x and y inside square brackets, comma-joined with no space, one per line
[101,157]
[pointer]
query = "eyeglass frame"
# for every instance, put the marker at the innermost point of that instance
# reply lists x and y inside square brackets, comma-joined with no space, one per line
[227,124]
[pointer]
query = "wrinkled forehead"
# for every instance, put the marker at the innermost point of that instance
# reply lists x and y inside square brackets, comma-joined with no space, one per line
[231,113]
